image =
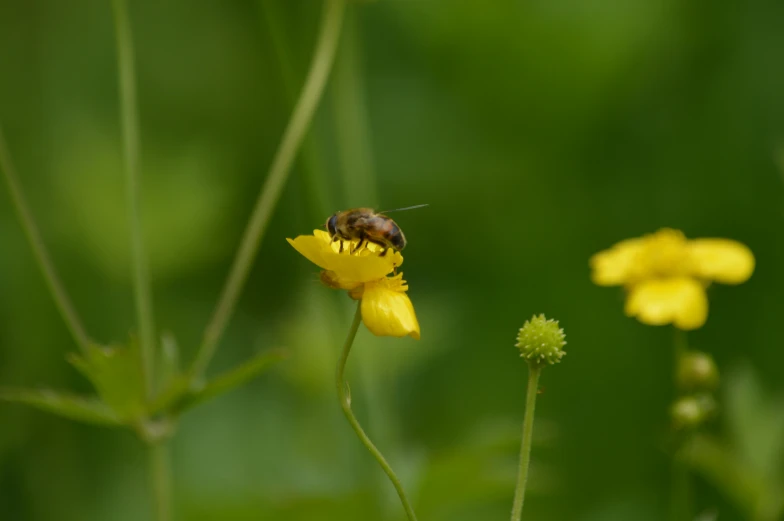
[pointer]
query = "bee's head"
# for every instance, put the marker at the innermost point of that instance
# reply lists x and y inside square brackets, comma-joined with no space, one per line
[332,224]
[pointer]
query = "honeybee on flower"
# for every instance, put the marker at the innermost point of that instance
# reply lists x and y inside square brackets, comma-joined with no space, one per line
[362,267]
[367,225]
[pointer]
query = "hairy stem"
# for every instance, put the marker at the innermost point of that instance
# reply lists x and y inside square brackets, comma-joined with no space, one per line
[525,449]
[345,403]
[130,137]
[270,193]
[61,300]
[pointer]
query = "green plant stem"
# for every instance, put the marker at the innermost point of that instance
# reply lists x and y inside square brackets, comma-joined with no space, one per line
[61,300]
[161,479]
[680,481]
[681,490]
[298,125]
[680,347]
[315,186]
[130,136]
[344,396]
[525,448]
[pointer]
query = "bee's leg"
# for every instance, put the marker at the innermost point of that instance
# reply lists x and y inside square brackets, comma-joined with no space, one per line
[362,244]
[340,250]
[362,239]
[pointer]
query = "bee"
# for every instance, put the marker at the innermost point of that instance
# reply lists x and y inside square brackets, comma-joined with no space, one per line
[367,225]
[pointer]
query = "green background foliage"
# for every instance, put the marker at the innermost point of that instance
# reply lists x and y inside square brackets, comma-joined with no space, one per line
[539,132]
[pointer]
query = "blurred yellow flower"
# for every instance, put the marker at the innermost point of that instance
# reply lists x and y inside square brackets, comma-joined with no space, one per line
[363,272]
[665,274]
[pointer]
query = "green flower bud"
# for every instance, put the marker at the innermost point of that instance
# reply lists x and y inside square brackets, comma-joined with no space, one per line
[689,412]
[697,371]
[541,341]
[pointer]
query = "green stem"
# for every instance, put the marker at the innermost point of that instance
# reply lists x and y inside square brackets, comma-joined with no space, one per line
[680,481]
[279,170]
[344,396]
[61,300]
[525,449]
[680,345]
[161,478]
[130,136]
[681,490]
[315,187]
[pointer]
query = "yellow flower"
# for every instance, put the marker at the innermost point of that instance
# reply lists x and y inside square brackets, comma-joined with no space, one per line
[665,274]
[363,272]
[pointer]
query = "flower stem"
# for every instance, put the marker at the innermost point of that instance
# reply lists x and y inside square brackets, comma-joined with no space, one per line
[160,468]
[680,482]
[61,300]
[681,491]
[528,430]
[681,346]
[298,125]
[344,396]
[130,135]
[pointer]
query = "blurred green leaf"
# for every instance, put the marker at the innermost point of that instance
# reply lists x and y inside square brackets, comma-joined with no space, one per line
[717,463]
[479,469]
[178,395]
[117,376]
[756,422]
[234,378]
[748,467]
[80,408]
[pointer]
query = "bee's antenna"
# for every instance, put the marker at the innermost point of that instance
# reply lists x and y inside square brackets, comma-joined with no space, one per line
[406,208]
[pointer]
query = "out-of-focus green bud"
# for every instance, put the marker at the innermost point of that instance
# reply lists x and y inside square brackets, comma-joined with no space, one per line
[689,412]
[697,371]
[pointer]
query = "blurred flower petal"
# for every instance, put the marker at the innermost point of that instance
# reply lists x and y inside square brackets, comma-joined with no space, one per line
[722,260]
[615,266]
[679,301]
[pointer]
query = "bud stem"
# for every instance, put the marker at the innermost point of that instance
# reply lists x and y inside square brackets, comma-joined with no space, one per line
[345,404]
[680,500]
[534,370]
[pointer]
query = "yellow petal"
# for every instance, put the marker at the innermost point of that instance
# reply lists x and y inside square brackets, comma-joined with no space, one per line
[722,260]
[353,264]
[332,280]
[616,265]
[387,310]
[680,301]
[312,248]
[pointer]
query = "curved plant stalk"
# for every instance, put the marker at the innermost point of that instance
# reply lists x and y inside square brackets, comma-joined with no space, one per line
[344,396]
[61,300]
[298,125]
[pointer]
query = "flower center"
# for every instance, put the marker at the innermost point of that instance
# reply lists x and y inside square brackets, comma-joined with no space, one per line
[665,254]
[356,247]
[394,283]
